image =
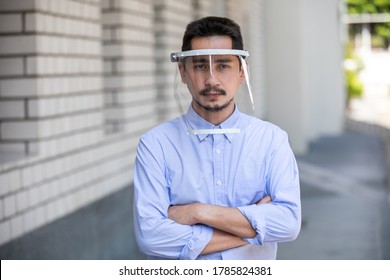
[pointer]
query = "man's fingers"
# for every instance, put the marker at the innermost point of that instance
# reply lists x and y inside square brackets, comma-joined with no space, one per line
[264,200]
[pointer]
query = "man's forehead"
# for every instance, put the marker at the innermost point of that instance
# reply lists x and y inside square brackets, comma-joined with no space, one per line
[213,58]
[212,42]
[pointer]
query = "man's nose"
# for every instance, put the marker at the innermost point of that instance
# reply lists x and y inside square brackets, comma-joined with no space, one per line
[212,79]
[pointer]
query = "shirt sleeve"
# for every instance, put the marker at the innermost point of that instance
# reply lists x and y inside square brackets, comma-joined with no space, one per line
[157,235]
[280,220]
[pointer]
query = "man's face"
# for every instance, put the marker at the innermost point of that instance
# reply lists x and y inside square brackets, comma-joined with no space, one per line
[213,80]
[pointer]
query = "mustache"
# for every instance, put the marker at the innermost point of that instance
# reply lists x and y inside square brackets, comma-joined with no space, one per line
[210,89]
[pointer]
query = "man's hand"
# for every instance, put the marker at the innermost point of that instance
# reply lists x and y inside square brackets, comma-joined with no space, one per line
[265,200]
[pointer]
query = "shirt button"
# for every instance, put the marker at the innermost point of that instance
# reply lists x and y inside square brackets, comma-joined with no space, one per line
[219,182]
[218,151]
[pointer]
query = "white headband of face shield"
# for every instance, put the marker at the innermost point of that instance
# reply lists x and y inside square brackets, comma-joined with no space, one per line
[176,57]
[241,54]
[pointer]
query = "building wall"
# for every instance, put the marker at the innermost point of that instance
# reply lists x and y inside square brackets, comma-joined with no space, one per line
[63,82]
[304,53]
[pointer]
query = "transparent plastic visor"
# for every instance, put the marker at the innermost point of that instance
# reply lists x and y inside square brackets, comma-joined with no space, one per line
[211,78]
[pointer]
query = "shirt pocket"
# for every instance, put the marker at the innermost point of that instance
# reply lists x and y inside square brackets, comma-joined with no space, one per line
[189,187]
[249,186]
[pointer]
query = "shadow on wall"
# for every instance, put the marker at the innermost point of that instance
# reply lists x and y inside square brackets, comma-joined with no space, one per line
[102,230]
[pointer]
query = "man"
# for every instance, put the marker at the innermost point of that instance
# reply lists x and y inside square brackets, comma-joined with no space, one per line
[214,183]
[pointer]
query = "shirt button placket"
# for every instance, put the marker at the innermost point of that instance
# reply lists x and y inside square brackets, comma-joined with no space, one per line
[218,170]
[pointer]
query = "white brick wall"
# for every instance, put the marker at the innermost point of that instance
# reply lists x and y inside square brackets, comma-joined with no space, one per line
[51,104]
[128,50]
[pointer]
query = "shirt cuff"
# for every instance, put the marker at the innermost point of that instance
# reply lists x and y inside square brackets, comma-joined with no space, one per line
[201,236]
[256,219]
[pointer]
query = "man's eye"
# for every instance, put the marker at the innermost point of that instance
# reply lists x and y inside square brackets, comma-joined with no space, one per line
[200,67]
[223,66]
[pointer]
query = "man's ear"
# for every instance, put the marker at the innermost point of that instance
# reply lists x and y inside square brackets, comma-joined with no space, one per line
[242,73]
[182,69]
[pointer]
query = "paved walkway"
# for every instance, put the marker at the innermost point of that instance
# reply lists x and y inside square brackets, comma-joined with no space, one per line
[345,201]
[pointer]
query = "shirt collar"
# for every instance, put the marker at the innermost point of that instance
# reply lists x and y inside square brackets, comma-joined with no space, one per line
[197,122]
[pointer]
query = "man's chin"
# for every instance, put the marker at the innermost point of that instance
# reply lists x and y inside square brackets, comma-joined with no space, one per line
[214,107]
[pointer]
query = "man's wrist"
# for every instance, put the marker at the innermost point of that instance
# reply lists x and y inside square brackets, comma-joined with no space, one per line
[198,213]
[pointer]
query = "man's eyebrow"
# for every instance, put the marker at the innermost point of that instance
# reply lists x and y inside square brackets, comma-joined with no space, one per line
[217,60]
[223,60]
[199,60]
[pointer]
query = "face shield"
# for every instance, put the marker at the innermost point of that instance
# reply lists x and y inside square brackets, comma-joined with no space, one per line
[211,78]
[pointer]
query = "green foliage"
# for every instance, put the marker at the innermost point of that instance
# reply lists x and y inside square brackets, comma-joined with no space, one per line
[354,65]
[354,85]
[368,6]
[379,30]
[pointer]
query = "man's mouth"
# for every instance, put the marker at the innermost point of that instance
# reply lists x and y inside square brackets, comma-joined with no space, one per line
[212,91]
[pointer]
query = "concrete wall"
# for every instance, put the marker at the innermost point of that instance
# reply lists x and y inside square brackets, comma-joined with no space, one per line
[305,93]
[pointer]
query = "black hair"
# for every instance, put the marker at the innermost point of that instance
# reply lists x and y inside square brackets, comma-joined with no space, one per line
[213,26]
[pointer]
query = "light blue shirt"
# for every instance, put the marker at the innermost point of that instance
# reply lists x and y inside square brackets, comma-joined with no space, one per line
[233,170]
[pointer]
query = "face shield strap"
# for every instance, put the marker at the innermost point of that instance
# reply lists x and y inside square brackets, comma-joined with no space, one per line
[247,81]
[214,131]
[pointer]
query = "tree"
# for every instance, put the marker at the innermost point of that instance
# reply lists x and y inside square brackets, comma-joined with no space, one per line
[379,30]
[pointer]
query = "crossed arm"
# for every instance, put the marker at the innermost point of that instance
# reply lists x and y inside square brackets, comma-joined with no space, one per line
[230,226]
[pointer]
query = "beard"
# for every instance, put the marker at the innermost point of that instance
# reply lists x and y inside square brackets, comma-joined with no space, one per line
[216,107]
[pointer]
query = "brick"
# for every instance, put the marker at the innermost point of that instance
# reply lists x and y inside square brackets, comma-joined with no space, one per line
[135,66]
[10,23]
[11,109]
[22,44]
[108,35]
[4,188]
[17,226]
[60,65]
[13,179]
[112,18]
[11,66]
[106,4]
[32,108]
[12,150]
[123,34]
[22,130]
[37,173]
[33,147]
[22,201]
[1,210]
[54,24]
[5,231]
[26,176]
[9,205]
[18,87]
[62,45]
[34,196]
[52,211]
[9,182]
[53,86]
[138,6]
[17,5]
